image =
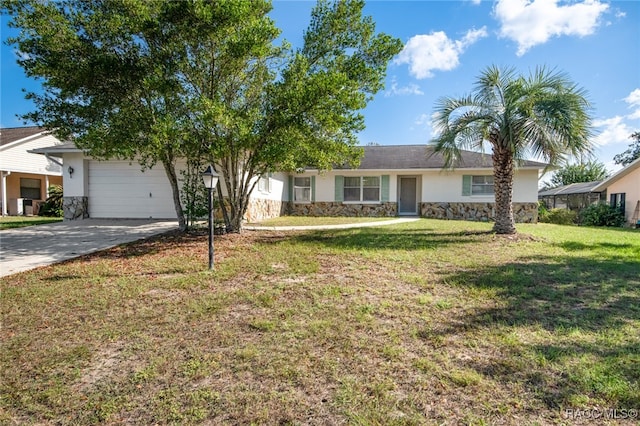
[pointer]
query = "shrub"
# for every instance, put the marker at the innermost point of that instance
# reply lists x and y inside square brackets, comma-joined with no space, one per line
[602,215]
[559,217]
[543,211]
[52,207]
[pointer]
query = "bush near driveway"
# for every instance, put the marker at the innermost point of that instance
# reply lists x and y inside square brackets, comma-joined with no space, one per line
[425,322]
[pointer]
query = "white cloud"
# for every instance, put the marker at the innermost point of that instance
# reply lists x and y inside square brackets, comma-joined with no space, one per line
[614,130]
[423,122]
[394,90]
[428,52]
[634,102]
[423,119]
[533,22]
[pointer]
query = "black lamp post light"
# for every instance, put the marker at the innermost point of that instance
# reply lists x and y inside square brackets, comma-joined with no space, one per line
[210,178]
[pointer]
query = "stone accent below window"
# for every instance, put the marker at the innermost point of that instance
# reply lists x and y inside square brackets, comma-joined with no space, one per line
[483,212]
[261,209]
[336,209]
[75,208]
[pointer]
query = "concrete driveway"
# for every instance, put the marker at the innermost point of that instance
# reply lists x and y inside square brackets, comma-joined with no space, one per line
[22,249]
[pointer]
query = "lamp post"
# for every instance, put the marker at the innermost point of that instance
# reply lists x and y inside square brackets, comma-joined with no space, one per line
[210,178]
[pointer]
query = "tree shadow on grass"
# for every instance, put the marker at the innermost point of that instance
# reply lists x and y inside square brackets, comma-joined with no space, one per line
[390,239]
[585,305]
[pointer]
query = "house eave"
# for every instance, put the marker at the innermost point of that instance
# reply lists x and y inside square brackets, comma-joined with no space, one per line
[55,151]
[412,171]
[617,176]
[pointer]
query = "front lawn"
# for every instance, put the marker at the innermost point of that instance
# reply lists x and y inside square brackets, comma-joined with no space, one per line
[9,222]
[317,221]
[429,322]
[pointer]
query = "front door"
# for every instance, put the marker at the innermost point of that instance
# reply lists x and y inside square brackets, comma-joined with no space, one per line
[407,203]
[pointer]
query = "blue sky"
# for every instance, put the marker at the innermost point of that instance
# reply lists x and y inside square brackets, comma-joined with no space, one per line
[448,43]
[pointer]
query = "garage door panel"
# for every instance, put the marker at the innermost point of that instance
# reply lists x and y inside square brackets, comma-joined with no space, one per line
[118,189]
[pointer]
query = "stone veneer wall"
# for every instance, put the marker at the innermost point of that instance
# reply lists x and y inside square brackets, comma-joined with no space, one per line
[75,208]
[522,212]
[337,209]
[260,209]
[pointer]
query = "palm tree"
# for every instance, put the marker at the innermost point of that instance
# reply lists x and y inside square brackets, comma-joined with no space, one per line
[544,116]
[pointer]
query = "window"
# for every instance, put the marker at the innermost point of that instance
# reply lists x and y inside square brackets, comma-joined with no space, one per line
[618,200]
[264,183]
[302,189]
[482,185]
[361,189]
[30,188]
[477,185]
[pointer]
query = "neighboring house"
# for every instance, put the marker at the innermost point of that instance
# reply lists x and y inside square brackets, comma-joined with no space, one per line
[26,177]
[623,190]
[390,181]
[575,196]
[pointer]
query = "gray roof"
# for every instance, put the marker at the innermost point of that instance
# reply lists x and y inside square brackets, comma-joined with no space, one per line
[574,188]
[57,150]
[403,157]
[12,134]
[382,157]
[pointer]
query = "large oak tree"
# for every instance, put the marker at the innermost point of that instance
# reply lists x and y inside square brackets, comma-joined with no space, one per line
[203,81]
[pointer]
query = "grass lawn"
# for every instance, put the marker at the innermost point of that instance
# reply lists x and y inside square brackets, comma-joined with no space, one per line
[429,322]
[8,222]
[315,221]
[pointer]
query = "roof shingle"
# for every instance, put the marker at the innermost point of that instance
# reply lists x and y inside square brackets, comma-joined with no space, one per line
[12,134]
[403,157]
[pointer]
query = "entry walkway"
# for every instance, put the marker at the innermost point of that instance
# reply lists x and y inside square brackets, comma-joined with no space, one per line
[341,226]
[26,248]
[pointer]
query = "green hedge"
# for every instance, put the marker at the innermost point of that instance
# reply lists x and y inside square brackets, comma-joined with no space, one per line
[602,215]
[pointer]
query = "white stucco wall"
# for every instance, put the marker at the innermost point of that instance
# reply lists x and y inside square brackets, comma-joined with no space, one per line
[441,186]
[433,185]
[277,188]
[326,182]
[76,184]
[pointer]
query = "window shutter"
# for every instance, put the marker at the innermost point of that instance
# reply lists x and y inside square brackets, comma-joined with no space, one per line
[384,188]
[466,185]
[339,189]
[290,188]
[313,189]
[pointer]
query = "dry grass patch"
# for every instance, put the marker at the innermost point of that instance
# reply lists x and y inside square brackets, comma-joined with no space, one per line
[427,322]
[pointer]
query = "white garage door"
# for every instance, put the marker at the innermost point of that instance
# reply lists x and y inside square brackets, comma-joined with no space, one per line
[119,189]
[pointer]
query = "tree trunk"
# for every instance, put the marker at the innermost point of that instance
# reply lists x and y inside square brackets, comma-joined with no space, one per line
[221,203]
[503,189]
[170,170]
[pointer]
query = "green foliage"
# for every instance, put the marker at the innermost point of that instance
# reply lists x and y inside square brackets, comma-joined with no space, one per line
[52,207]
[631,154]
[559,216]
[193,194]
[544,114]
[543,211]
[575,173]
[602,215]
[204,81]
